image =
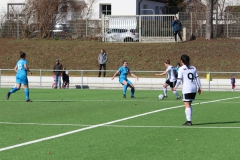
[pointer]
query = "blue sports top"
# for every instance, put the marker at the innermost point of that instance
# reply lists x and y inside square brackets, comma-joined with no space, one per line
[123,72]
[20,67]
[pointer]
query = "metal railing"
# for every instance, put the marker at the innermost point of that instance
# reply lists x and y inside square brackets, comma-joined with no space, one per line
[139,28]
[89,79]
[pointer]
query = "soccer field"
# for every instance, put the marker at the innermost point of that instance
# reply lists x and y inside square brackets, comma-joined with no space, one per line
[101,125]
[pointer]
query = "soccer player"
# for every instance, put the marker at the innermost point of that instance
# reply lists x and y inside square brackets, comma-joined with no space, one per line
[21,69]
[171,80]
[188,75]
[124,71]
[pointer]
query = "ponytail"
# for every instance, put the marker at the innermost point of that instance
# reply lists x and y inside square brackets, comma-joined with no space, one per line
[22,54]
[186,60]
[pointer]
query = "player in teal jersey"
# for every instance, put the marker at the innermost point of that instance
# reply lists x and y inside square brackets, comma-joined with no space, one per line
[21,69]
[124,71]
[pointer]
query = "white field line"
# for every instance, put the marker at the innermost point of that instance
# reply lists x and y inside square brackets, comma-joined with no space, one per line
[45,124]
[136,100]
[125,126]
[103,124]
[125,100]
[117,126]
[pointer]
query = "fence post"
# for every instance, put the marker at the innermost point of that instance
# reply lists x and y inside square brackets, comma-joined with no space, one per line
[227,24]
[81,79]
[18,25]
[140,28]
[40,78]
[184,33]
[191,25]
[86,27]
[209,81]
[103,28]
[0,78]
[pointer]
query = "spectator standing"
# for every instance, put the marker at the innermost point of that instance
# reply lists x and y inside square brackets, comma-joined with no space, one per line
[102,59]
[65,78]
[233,82]
[177,28]
[58,73]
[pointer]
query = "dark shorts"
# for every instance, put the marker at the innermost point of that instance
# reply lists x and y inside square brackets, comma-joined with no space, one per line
[188,97]
[171,84]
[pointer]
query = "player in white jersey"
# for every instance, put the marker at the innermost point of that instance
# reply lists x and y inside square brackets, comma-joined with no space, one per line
[191,85]
[171,80]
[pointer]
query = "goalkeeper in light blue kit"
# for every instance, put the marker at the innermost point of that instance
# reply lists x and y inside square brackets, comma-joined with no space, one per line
[21,69]
[124,71]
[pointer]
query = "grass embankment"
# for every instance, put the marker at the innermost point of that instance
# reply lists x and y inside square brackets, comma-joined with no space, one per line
[214,55]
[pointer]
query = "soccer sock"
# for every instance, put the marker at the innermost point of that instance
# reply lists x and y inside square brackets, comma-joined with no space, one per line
[124,89]
[188,113]
[26,90]
[132,91]
[14,90]
[176,93]
[165,91]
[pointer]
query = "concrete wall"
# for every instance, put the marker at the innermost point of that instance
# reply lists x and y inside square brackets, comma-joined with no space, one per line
[107,83]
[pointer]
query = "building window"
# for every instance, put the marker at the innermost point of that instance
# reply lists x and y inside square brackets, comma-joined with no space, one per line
[106,9]
[145,11]
[157,10]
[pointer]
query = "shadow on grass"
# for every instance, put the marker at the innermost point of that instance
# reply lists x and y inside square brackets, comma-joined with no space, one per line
[217,123]
[55,101]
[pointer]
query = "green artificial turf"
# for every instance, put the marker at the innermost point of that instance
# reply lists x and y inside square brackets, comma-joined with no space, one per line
[101,125]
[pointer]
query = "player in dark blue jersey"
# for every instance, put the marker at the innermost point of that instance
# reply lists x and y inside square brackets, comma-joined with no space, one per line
[124,71]
[21,69]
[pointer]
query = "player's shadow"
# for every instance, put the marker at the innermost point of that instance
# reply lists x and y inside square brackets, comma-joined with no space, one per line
[217,123]
[56,101]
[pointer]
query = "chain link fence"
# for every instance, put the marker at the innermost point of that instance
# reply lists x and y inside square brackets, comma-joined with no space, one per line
[76,28]
[152,28]
[226,24]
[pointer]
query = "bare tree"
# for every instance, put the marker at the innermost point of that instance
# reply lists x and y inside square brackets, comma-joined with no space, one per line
[209,19]
[89,8]
[43,14]
[220,7]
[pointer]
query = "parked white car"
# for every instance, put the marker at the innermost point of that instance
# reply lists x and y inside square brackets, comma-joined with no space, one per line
[121,35]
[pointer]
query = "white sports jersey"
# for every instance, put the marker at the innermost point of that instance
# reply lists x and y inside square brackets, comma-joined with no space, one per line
[189,79]
[171,73]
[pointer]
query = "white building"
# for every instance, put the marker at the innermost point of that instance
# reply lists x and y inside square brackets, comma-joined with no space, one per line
[3,6]
[125,7]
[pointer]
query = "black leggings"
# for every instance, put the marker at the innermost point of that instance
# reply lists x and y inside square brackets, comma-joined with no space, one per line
[179,34]
[100,68]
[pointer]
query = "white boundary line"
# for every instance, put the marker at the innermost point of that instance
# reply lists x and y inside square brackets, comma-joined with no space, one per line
[136,100]
[125,100]
[117,126]
[103,124]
